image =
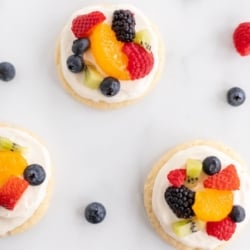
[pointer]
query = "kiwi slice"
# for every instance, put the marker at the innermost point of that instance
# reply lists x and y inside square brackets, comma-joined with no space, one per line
[183,228]
[8,145]
[92,77]
[194,170]
[143,38]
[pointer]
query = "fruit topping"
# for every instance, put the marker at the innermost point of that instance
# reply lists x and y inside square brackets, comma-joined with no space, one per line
[194,169]
[83,25]
[143,38]
[8,145]
[140,61]
[110,86]
[34,174]
[177,177]
[237,214]
[12,191]
[7,71]
[236,96]
[212,204]
[211,165]
[123,24]
[75,63]
[107,52]
[11,163]
[226,179]
[80,46]
[185,227]
[92,77]
[241,38]
[180,200]
[95,212]
[222,230]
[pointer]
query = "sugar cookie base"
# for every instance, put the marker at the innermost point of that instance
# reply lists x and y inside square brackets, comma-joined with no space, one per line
[148,187]
[38,214]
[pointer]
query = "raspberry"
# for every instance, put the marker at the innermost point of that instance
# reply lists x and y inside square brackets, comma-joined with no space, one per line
[241,38]
[177,177]
[12,191]
[123,24]
[83,25]
[222,230]
[140,61]
[227,179]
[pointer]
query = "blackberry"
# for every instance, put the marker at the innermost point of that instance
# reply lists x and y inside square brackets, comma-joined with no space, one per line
[180,200]
[123,24]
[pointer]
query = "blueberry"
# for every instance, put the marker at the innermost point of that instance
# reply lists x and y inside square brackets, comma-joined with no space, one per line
[95,212]
[7,71]
[237,214]
[34,174]
[236,96]
[80,45]
[211,165]
[75,63]
[110,86]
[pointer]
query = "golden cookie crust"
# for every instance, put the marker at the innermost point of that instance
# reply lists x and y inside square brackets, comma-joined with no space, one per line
[38,214]
[148,187]
[102,104]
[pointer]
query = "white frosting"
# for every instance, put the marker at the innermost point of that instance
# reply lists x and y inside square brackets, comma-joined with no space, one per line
[165,215]
[129,89]
[33,195]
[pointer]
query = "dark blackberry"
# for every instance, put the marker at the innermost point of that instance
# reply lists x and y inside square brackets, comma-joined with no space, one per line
[180,200]
[123,24]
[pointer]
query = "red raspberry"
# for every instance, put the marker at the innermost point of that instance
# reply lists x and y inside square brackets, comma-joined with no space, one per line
[177,177]
[241,37]
[140,61]
[12,191]
[222,230]
[226,179]
[83,25]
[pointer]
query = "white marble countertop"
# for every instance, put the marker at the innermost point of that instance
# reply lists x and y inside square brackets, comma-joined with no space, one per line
[105,155]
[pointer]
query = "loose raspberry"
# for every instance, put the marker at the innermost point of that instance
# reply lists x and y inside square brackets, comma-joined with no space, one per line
[83,25]
[177,177]
[12,191]
[241,38]
[222,230]
[140,61]
[226,179]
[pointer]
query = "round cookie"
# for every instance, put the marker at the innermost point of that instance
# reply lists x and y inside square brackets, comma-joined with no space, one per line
[162,217]
[25,179]
[136,65]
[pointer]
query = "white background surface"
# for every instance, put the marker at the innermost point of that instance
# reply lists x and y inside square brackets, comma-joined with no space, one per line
[105,155]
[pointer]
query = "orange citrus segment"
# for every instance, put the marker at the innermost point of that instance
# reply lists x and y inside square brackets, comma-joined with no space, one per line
[11,163]
[212,204]
[107,52]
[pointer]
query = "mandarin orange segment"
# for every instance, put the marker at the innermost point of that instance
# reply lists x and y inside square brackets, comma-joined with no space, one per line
[212,204]
[107,52]
[11,163]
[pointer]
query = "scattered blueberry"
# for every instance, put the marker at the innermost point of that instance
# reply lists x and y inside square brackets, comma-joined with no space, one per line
[34,174]
[237,214]
[7,71]
[80,45]
[110,86]
[211,165]
[236,96]
[75,63]
[95,212]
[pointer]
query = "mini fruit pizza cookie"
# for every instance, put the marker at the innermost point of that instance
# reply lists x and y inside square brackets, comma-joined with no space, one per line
[25,180]
[196,196]
[109,55]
